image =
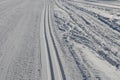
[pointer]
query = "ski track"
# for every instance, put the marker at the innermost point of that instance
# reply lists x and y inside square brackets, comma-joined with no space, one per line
[96,32]
[59,40]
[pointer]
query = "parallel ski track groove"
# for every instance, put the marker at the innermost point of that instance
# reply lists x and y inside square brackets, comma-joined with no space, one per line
[56,51]
[48,49]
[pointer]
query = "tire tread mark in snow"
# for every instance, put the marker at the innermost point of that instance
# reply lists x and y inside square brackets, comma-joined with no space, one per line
[59,61]
[48,49]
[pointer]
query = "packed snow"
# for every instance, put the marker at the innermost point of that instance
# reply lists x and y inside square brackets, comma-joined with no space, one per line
[59,39]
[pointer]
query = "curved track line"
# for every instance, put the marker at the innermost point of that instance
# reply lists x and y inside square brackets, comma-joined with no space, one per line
[48,49]
[55,47]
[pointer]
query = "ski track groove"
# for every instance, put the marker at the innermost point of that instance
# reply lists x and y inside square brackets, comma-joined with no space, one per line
[55,48]
[48,49]
[58,57]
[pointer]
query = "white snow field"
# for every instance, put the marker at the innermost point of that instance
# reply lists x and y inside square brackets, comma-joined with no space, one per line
[59,40]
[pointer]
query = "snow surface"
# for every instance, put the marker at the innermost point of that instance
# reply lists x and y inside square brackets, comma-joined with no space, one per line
[59,40]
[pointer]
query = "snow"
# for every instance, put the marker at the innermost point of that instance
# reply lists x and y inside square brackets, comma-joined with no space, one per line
[59,40]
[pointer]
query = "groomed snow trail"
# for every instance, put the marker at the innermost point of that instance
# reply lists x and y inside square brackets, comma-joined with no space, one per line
[59,40]
[20,39]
